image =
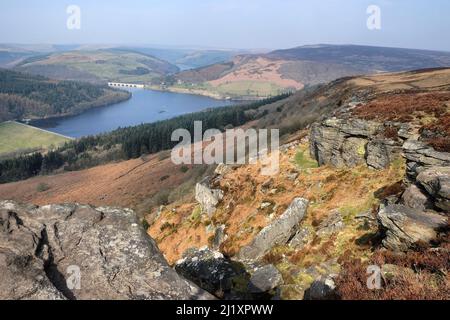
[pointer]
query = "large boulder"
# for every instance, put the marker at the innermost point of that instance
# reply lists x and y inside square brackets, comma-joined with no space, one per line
[414,197]
[208,198]
[421,156]
[436,181]
[210,270]
[79,252]
[322,289]
[265,279]
[279,232]
[352,142]
[404,226]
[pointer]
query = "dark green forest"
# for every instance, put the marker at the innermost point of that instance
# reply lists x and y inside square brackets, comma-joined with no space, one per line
[28,96]
[126,143]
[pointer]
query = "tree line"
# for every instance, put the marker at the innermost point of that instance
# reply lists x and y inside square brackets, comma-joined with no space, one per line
[23,95]
[25,167]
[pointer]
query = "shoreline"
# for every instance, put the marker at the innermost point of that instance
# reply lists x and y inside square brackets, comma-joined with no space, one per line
[30,121]
[40,129]
[202,93]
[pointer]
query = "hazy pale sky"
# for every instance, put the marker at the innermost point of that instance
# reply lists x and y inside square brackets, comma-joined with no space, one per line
[228,23]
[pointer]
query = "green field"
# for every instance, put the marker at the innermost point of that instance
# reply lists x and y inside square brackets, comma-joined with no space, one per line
[106,65]
[19,138]
[250,88]
[238,89]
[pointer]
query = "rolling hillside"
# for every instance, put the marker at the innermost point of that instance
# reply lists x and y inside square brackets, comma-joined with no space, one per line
[363,180]
[188,58]
[12,55]
[155,177]
[98,66]
[255,76]
[366,58]
[27,96]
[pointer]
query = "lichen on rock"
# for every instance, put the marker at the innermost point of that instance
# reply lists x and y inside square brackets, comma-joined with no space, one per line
[40,247]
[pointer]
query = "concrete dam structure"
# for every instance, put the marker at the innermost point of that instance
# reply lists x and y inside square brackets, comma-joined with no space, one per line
[126,85]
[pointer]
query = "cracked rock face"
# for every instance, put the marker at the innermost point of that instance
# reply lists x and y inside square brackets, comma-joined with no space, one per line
[406,226]
[349,143]
[414,197]
[301,238]
[378,155]
[43,248]
[436,181]
[420,157]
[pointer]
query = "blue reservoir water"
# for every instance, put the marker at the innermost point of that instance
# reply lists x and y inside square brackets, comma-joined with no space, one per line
[145,106]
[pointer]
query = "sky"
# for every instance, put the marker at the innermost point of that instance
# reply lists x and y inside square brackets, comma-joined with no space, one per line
[237,24]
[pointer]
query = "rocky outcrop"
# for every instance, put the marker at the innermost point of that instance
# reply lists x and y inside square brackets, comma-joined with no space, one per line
[79,252]
[436,182]
[420,157]
[279,232]
[346,142]
[380,153]
[265,279]
[211,271]
[301,238]
[228,279]
[208,198]
[404,227]
[430,189]
[322,289]
[352,142]
[414,197]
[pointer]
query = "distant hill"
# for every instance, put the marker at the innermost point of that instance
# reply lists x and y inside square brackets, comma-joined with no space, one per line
[9,58]
[11,55]
[201,58]
[366,58]
[262,75]
[98,66]
[188,58]
[28,96]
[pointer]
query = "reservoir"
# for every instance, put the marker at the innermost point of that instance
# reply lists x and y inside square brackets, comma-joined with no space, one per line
[145,106]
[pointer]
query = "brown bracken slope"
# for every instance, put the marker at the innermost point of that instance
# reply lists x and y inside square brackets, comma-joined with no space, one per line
[124,184]
[132,183]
